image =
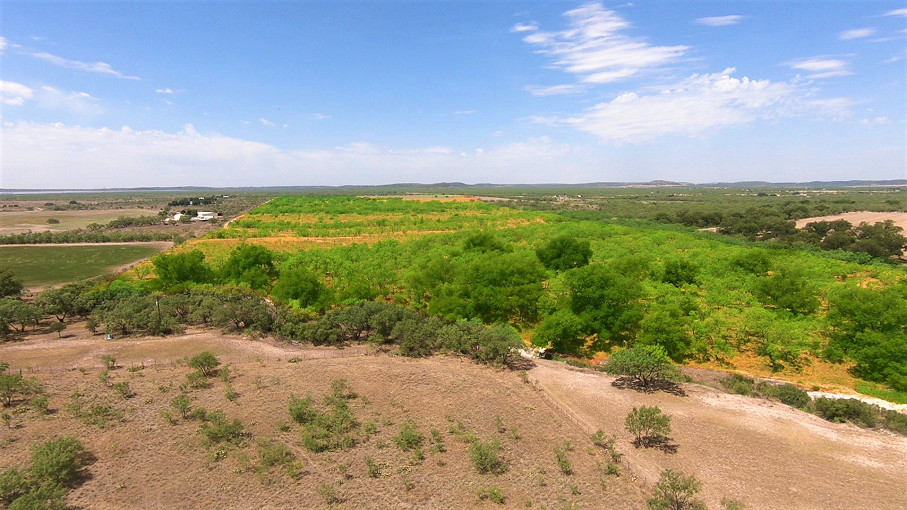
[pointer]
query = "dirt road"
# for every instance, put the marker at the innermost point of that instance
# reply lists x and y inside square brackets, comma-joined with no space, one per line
[765,453]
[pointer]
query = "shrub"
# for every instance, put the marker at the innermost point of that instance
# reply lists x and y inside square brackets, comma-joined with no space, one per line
[485,456]
[648,425]
[409,438]
[787,394]
[216,430]
[183,404]
[58,461]
[205,362]
[563,462]
[494,494]
[301,410]
[847,409]
[675,491]
[109,361]
[736,383]
[123,389]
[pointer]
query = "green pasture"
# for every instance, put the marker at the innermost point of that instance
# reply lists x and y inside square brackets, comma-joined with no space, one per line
[39,266]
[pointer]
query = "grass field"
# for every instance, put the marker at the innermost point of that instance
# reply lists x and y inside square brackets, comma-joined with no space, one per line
[39,266]
[36,221]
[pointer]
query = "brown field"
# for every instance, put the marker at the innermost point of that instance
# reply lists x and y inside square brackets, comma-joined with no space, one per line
[16,222]
[899,218]
[764,453]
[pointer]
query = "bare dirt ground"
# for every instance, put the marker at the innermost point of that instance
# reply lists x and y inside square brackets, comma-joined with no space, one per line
[899,218]
[764,453]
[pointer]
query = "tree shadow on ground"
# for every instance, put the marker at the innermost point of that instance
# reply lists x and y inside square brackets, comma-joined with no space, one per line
[628,382]
[662,443]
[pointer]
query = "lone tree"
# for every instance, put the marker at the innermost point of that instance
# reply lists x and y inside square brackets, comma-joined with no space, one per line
[649,425]
[645,364]
[205,362]
[675,491]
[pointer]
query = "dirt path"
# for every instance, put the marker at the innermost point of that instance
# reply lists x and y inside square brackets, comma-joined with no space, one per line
[767,454]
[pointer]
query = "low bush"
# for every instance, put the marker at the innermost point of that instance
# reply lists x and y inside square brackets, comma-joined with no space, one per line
[56,467]
[486,456]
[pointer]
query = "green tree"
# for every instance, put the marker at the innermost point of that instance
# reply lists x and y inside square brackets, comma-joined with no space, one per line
[9,284]
[789,288]
[680,272]
[882,239]
[14,311]
[564,252]
[645,364]
[648,425]
[676,491]
[607,301]
[181,268]
[250,264]
[62,302]
[299,285]
[562,330]
[870,326]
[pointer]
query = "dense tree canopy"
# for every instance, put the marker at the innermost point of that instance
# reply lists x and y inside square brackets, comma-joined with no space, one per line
[564,252]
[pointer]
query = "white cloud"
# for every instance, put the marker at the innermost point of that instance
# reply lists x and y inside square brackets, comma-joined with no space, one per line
[720,21]
[55,155]
[819,67]
[896,12]
[693,106]
[595,48]
[96,67]
[164,91]
[320,116]
[856,33]
[555,90]
[525,27]
[14,94]
[464,112]
[3,44]
[874,121]
[266,122]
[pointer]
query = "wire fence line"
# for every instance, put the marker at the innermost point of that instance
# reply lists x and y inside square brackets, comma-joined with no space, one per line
[289,357]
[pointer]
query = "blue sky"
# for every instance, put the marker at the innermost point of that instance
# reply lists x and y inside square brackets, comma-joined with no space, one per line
[125,94]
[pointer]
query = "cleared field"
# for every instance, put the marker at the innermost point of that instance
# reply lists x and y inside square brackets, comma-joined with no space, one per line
[15,222]
[39,266]
[899,218]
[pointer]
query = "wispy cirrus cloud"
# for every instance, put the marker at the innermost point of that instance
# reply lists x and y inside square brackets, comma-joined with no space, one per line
[91,67]
[896,12]
[821,67]
[856,33]
[14,94]
[720,21]
[556,90]
[164,91]
[596,48]
[3,45]
[265,122]
[524,27]
[80,103]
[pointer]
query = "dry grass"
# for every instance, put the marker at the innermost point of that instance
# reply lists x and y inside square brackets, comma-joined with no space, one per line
[145,462]
[14,222]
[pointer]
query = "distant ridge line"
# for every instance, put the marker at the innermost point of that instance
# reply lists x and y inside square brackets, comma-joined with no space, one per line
[443,185]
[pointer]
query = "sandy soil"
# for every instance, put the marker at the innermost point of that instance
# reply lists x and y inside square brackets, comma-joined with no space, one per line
[855,218]
[764,453]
